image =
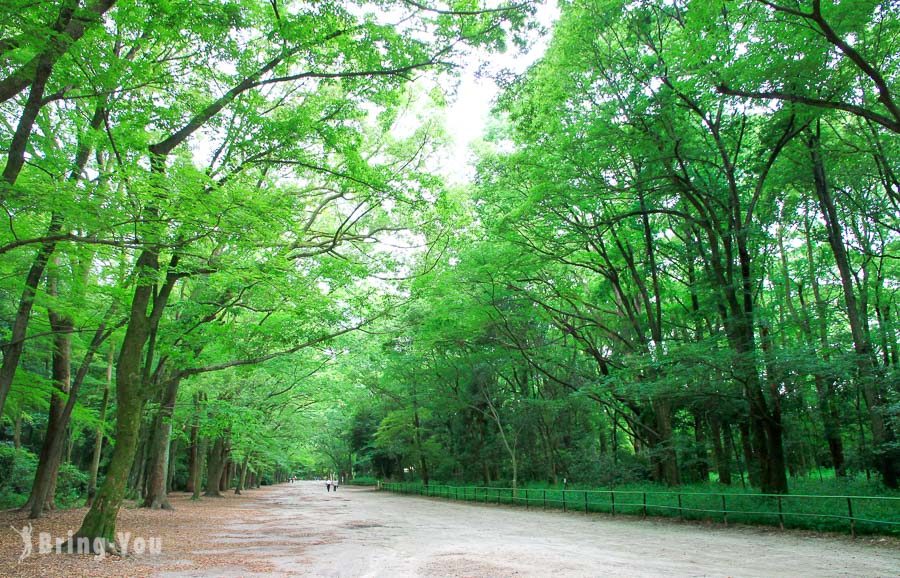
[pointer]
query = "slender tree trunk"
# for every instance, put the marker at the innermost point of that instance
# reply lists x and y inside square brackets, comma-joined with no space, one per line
[99,435]
[723,463]
[423,464]
[173,458]
[17,430]
[12,350]
[702,453]
[243,475]
[882,436]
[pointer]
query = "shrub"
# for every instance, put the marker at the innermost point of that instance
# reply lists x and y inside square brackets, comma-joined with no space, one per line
[363,481]
[17,469]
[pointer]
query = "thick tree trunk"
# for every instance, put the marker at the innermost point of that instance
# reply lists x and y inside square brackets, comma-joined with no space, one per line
[196,474]
[155,495]
[774,426]
[226,471]
[99,524]
[216,464]
[664,446]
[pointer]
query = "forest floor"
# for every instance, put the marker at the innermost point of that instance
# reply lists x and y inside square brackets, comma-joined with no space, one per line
[300,530]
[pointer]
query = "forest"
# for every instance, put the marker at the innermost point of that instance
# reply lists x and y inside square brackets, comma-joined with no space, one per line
[230,254]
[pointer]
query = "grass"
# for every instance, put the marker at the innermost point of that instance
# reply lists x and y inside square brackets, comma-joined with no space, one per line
[820,506]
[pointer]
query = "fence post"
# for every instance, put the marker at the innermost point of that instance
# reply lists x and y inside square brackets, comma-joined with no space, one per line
[852,520]
[526,498]
[645,504]
[565,509]
[780,515]
[724,511]
[680,509]
[498,496]
[612,499]
[585,502]
[544,491]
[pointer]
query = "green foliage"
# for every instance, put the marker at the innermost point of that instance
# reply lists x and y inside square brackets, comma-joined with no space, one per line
[821,508]
[17,468]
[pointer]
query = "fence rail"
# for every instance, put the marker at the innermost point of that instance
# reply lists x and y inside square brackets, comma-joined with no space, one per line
[856,514]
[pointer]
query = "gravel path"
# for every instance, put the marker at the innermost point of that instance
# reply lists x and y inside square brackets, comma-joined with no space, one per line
[360,532]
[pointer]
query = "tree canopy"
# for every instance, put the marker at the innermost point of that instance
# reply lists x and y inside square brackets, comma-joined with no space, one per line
[224,261]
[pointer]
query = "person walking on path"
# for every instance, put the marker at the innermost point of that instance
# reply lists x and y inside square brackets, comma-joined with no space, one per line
[335,484]
[327,485]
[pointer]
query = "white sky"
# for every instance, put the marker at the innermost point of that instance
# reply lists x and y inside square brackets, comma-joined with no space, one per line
[467,116]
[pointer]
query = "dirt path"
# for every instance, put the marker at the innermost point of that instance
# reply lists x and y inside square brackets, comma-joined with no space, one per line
[300,530]
[359,532]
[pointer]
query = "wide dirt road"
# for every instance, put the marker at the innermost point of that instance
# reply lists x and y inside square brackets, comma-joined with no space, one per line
[360,532]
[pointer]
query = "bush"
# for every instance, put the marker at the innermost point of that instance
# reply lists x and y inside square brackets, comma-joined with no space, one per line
[17,468]
[71,486]
[363,481]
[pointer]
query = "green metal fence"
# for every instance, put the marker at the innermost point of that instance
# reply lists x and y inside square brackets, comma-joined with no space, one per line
[856,514]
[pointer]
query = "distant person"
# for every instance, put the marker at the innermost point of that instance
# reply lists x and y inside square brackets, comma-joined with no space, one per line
[335,485]
[327,485]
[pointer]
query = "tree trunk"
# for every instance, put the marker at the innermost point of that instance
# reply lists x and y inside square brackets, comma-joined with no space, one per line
[194,454]
[197,468]
[723,464]
[43,488]
[98,435]
[243,475]
[99,524]
[17,430]
[665,449]
[702,454]
[423,464]
[173,458]
[216,464]
[226,472]
[882,435]
[155,495]
[774,427]
[12,350]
